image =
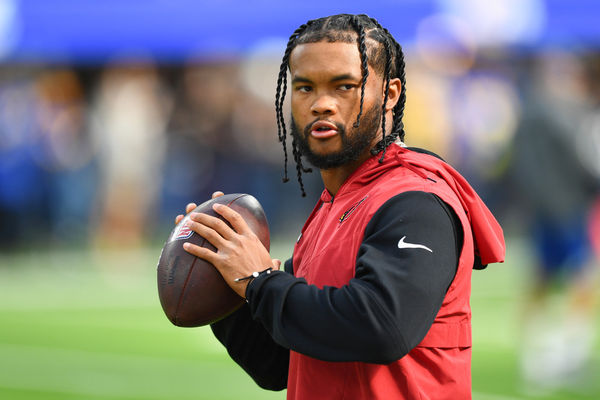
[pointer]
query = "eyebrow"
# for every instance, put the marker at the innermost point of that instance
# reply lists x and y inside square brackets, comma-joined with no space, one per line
[300,79]
[342,77]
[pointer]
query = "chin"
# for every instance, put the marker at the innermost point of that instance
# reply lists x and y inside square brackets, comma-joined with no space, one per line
[324,147]
[333,153]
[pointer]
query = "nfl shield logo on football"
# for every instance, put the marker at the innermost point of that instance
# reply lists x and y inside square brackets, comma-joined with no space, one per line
[183,232]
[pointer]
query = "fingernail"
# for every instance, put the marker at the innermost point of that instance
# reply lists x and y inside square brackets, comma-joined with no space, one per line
[217,206]
[186,246]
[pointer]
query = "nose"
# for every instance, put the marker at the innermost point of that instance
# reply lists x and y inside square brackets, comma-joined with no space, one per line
[323,105]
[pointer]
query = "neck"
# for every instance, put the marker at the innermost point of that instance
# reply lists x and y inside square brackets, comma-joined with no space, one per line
[334,178]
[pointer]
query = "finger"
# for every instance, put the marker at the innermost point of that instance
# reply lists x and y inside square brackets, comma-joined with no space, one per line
[276,264]
[190,207]
[217,194]
[217,224]
[208,233]
[235,219]
[201,252]
[178,218]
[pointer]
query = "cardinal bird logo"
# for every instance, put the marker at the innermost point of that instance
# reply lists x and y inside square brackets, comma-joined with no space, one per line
[349,211]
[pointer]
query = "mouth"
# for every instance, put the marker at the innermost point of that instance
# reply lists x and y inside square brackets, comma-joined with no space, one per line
[323,130]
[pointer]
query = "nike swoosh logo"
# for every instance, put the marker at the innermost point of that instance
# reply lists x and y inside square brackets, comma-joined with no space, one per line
[404,245]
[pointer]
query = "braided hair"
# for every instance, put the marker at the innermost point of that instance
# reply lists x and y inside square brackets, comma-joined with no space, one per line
[386,59]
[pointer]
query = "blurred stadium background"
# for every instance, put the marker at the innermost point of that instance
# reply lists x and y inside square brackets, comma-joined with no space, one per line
[115,114]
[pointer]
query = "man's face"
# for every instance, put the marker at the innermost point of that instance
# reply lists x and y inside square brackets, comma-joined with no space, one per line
[326,81]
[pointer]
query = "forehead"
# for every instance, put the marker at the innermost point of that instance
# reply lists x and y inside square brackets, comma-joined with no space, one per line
[325,58]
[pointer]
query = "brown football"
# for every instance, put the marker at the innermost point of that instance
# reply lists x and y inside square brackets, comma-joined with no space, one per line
[192,292]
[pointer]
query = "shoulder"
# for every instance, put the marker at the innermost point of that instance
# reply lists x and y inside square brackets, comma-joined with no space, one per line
[424,207]
[423,171]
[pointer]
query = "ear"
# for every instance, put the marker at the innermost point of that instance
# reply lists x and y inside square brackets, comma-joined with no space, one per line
[393,94]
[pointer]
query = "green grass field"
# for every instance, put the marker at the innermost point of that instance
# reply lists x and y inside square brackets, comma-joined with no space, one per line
[85,325]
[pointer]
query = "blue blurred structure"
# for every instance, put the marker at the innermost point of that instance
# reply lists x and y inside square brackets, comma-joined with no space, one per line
[94,31]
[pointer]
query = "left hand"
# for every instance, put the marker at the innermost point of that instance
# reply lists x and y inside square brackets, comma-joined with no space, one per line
[239,251]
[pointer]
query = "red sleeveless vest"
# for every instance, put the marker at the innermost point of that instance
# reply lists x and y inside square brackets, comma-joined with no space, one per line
[440,366]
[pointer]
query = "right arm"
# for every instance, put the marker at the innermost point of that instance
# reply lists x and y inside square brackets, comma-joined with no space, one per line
[252,347]
[248,342]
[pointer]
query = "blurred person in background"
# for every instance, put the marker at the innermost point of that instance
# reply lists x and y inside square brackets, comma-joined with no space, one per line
[199,142]
[66,154]
[130,113]
[558,187]
[190,160]
[21,183]
[211,136]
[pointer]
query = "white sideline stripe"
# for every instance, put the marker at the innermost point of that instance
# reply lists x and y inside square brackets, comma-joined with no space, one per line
[490,396]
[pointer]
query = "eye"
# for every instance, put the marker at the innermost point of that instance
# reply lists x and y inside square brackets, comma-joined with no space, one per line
[303,89]
[347,86]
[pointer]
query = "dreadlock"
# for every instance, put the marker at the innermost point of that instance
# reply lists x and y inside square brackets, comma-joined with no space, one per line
[386,59]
